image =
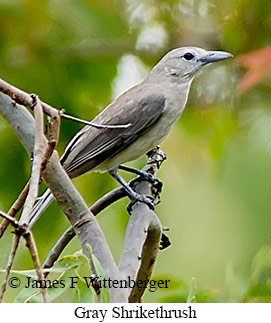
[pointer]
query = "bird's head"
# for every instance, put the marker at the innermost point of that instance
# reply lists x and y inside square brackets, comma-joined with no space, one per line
[183,63]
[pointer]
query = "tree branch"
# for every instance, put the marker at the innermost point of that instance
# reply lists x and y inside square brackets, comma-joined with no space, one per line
[10,219]
[149,231]
[108,199]
[54,126]
[22,230]
[84,223]
[16,206]
[144,230]
[39,150]
[14,247]
[31,245]
[23,98]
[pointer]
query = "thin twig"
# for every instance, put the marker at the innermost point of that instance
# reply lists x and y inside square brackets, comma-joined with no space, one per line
[21,230]
[16,94]
[9,218]
[30,200]
[108,199]
[31,245]
[14,247]
[54,127]
[16,206]
[96,125]
[23,98]
[20,201]
[53,138]
[36,167]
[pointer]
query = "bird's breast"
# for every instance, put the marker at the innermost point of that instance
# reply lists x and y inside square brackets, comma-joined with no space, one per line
[174,106]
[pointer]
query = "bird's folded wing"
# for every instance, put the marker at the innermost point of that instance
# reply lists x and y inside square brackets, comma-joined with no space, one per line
[92,146]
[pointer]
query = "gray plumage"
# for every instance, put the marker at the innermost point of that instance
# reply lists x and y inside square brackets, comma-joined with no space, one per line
[151,107]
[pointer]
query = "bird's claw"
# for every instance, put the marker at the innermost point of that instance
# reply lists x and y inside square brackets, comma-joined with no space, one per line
[150,200]
[156,183]
[147,199]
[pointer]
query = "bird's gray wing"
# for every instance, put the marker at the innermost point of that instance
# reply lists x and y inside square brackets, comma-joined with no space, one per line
[92,146]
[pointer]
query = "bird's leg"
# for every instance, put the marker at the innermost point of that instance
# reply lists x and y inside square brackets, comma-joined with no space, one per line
[144,176]
[135,197]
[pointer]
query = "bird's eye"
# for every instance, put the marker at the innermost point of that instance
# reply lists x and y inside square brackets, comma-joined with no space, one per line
[188,56]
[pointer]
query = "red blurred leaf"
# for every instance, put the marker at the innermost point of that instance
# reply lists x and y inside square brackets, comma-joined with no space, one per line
[258,64]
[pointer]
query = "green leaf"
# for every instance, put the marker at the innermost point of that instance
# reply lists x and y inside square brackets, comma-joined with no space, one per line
[261,291]
[85,294]
[83,265]
[68,266]
[261,267]
[192,296]
[236,285]
[33,294]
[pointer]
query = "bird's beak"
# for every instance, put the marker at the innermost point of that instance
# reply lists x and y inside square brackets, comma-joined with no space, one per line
[215,56]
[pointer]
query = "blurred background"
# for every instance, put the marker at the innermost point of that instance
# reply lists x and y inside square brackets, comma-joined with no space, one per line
[216,201]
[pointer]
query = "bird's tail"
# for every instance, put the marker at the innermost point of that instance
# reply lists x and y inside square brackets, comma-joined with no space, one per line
[41,204]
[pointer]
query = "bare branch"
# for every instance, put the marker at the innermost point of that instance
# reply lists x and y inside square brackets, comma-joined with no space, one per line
[54,127]
[31,245]
[108,199]
[147,256]
[144,230]
[22,230]
[39,150]
[14,209]
[84,223]
[24,98]
[143,234]
[15,244]
[95,125]
[9,218]
[16,94]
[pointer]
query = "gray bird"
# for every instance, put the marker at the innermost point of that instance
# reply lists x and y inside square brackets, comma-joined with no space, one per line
[149,110]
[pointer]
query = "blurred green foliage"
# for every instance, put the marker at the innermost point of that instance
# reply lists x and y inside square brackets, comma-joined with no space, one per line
[216,200]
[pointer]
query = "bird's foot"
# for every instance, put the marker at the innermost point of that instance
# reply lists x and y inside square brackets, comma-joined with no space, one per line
[147,199]
[144,176]
[151,179]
